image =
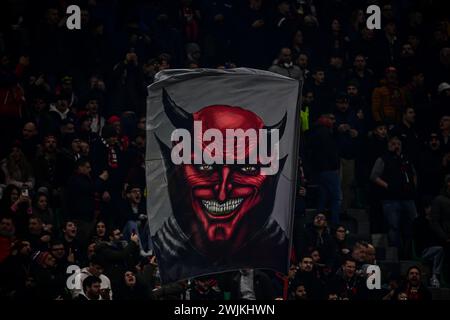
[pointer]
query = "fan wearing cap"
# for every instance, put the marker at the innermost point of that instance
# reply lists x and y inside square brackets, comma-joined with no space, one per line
[388,100]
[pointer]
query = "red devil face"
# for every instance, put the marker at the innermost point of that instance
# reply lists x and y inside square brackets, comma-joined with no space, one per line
[226,203]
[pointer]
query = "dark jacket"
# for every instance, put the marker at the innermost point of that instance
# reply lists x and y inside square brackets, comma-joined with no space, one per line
[352,289]
[323,242]
[313,285]
[398,173]
[323,150]
[410,141]
[118,259]
[80,196]
[348,147]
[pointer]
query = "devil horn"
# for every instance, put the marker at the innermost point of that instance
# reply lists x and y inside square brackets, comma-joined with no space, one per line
[280,126]
[176,115]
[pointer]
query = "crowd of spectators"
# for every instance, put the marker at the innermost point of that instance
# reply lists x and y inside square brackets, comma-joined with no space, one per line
[375,136]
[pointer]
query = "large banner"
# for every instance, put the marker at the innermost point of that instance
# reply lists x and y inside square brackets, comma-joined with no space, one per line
[221,167]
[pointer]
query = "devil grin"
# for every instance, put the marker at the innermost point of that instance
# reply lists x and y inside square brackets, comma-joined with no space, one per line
[221,209]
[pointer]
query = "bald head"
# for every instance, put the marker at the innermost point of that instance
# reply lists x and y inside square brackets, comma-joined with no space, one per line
[29,130]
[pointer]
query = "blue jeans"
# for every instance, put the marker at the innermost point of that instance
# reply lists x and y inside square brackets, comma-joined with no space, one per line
[330,192]
[436,255]
[399,214]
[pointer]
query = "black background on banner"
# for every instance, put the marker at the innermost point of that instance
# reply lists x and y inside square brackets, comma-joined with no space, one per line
[284,310]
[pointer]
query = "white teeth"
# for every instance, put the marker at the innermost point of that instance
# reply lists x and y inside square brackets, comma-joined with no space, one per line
[216,208]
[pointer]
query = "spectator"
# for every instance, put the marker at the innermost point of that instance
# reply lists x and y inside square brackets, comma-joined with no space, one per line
[358,103]
[408,135]
[72,246]
[388,101]
[336,74]
[80,193]
[431,169]
[43,211]
[60,111]
[17,169]
[7,234]
[427,244]
[342,245]
[444,137]
[84,129]
[347,284]
[38,237]
[107,160]
[324,160]
[92,110]
[358,254]
[118,255]
[131,289]
[96,267]
[91,287]
[417,96]
[15,272]
[45,164]
[303,63]
[285,66]
[440,213]
[376,146]
[203,289]
[363,76]
[128,88]
[135,215]
[49,284]
[321,91]
[100,232]
[29,140]
[412,288]
[251,284]
[57,250]
[396,177]
[349,129]
[305,276]
[318,236]
[18,204]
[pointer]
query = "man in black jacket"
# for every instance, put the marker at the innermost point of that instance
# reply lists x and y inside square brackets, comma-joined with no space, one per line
[318,236]
[324,159]
[306,276]
[81,198]
[396,178]
[118,255]
[347,283]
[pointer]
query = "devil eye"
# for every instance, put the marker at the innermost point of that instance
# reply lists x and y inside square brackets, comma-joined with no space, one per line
[205,167]
[249,169]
